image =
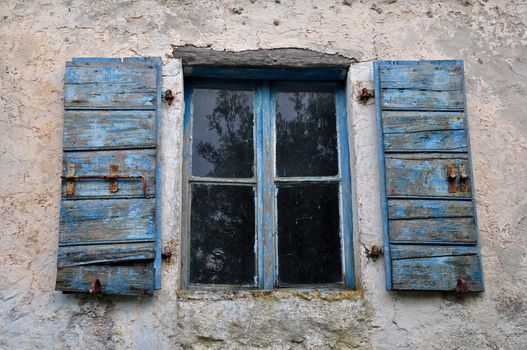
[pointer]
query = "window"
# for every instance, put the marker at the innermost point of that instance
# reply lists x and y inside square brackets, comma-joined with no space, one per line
[267,181]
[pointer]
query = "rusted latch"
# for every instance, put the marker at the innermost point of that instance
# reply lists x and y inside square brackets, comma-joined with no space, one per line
[461,286]
[374,252]
[167,253]
[95,286]
[112,177]
[168,97]
[463,178]
[451,174]
[70,185]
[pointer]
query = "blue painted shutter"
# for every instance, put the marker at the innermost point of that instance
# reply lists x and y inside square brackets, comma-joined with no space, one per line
[108,242]
[430,228]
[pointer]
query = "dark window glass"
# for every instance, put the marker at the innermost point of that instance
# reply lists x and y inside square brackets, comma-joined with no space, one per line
[306,134]
[222,240]
[222,133]
[308,235]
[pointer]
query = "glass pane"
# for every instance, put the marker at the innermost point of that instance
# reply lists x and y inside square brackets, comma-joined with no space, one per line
[308,235]
[222,235]
[306,134]
[222,133]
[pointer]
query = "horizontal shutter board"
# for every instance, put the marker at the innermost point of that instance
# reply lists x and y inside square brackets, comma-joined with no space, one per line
[110,85]
[110,220]
[77,255]
[424,131]
[120,280]
[423,175]
[108,230]
[136,162]
[92,130]
[430,229]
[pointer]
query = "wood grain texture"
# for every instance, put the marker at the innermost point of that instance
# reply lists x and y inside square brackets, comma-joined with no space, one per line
[422,77]
[437,273]
[106,220]
[400,251]
[122,280]
[442,230]
[422,99]
[130,162]
[105,253]
[84,130]
[422,174]
[427,208]
[110,85]
[424,131]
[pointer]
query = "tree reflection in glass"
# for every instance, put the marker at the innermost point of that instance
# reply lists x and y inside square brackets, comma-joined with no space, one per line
[306,134]
[222,133]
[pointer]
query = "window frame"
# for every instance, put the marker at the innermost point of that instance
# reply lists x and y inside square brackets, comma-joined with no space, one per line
[265,82]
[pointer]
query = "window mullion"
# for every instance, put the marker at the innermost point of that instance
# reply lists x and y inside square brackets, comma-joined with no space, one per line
[265,189]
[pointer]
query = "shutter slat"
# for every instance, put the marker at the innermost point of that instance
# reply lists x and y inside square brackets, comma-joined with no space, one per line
[430,231]
[86,130]
[121,280]
[105,254]
[84,221]
[140,162]
[107,230]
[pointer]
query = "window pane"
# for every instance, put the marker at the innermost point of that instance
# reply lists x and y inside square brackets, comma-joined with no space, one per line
[222,133]
[222,235]
[306,134]
[308,234]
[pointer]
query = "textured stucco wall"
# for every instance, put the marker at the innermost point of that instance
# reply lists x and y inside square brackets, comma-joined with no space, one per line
[38,36]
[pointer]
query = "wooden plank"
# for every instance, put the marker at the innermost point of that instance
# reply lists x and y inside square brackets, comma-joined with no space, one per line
[400,122]
[105,253]
[422,99]
[423,174]
[84,130]
[122,280]
[130,162]
[402,251]
[437,273]
[422,77]
[110,85]
[424,131]
[106,220]
[423,209]
[438,230]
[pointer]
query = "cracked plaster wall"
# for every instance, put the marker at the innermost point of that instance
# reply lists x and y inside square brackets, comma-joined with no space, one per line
[38,36]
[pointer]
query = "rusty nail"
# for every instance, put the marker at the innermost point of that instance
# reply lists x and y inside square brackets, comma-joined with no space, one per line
[166,253]
[461,286]
[168,97]
[95,286]
[365,95]
[374,252]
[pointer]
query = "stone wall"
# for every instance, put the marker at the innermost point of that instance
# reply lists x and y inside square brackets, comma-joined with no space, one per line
[38,36]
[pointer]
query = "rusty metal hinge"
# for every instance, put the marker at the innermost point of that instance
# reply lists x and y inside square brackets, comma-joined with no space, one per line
[168,97]
[112,177]
[451,175]
[463,178]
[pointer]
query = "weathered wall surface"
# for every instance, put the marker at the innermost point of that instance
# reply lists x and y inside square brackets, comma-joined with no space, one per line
[37,37]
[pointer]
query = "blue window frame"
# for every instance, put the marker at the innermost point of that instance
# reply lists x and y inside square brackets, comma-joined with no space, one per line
[260,147]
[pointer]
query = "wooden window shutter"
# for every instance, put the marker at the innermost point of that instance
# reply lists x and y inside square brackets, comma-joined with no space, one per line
[108,237]
[430,226]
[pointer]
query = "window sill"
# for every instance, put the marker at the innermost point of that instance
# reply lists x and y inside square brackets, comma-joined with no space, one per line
[309,294]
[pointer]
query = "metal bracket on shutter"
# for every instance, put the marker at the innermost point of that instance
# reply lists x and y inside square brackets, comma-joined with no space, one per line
[451,174]
[112,177]
[464,178]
